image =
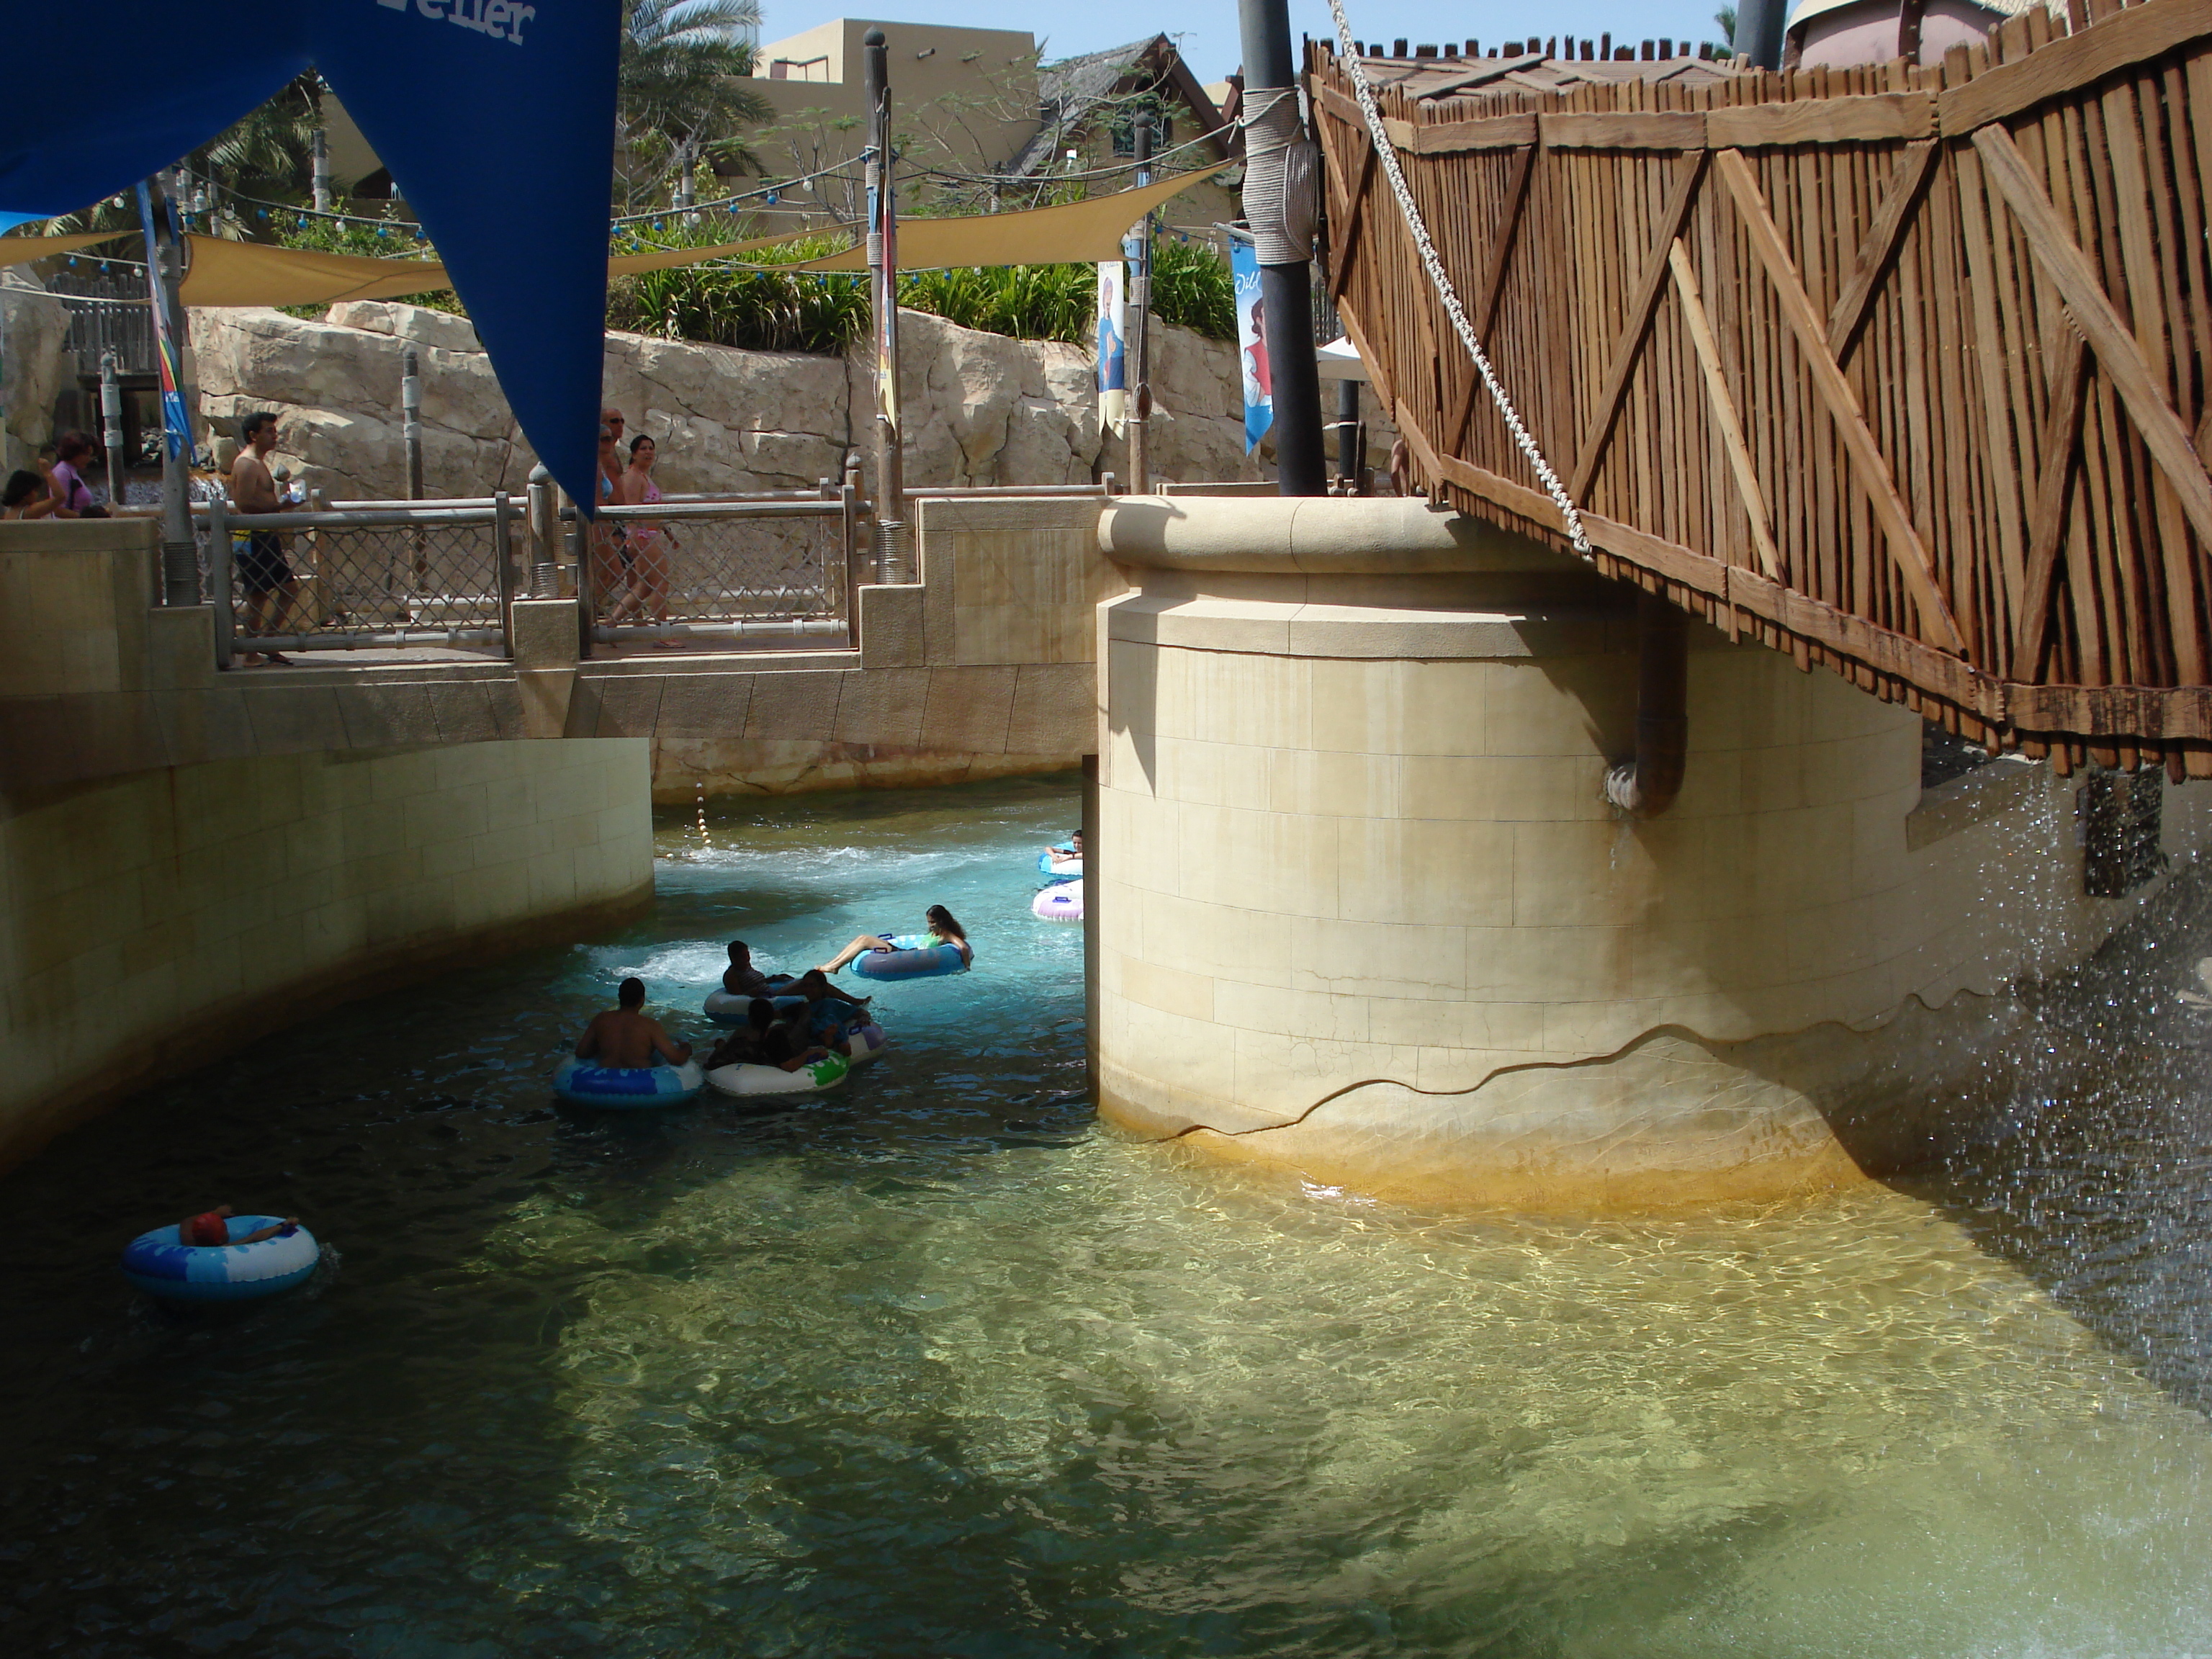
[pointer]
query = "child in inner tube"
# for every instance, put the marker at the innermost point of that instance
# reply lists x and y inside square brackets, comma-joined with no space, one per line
[1071,854]
[831,1017]
[944,928]
[210,1228]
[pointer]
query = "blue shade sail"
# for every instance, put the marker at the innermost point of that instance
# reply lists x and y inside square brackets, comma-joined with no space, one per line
[496,118]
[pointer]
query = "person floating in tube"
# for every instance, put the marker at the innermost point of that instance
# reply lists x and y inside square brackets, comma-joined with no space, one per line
[944,928]
[210,1228]
[625,1038]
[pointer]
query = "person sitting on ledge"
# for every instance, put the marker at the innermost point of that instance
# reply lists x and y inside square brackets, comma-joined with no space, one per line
[210,1228]
[944,928]
[626,1038]
[741,978]
[763,1040]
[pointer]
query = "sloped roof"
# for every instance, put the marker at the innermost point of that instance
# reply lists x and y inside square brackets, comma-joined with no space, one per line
[1074,89]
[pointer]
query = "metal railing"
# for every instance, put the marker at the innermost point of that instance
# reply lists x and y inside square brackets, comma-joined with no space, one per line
[782,564]
[357,577]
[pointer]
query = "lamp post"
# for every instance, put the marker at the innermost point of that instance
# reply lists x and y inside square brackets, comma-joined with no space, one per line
[1141,292]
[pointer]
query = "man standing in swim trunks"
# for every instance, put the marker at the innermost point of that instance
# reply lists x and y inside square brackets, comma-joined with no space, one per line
[263,571]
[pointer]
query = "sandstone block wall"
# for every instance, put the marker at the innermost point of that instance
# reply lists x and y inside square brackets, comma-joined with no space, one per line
[150,922]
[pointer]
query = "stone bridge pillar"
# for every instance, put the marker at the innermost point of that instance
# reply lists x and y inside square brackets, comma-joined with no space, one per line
[1363,909]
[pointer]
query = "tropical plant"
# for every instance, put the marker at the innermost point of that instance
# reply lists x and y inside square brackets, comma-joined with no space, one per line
[1192,287]
[758,309]
[1724,20]
[391,239]
[681,96]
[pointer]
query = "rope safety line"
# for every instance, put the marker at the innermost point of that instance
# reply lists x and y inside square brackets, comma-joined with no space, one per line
[1387,155]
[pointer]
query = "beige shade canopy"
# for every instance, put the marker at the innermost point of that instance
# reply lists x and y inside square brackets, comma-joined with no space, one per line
[19,250]
[1078,233]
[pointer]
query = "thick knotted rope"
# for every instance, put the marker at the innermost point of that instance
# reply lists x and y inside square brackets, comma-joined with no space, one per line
[1282,177]
[1387,155]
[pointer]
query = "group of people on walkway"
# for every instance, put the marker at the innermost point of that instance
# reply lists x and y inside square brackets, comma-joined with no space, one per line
[632,570]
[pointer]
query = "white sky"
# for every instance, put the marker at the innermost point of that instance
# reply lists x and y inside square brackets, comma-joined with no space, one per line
[1206,33]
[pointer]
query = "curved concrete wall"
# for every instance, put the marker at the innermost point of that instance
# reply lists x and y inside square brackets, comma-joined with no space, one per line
[151,923]
[1363,910]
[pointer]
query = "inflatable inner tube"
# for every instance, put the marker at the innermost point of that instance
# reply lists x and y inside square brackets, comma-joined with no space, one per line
[729,1007]
[910,961]
[866,1043]
[743,1079]
[160,1264]
[1061,902]
[619,1086]
[1055,868]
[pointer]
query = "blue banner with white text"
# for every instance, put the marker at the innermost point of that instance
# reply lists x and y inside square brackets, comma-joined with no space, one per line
[496,119]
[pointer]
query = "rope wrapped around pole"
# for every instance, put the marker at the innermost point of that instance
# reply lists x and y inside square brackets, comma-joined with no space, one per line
[1282,178]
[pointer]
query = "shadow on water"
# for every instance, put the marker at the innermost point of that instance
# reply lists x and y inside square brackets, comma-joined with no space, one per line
[937,1367]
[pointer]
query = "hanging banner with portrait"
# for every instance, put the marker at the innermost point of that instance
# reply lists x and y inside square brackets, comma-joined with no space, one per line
[1251,341]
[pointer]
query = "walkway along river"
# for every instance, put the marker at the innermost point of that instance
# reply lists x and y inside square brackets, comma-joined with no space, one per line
[938,1367]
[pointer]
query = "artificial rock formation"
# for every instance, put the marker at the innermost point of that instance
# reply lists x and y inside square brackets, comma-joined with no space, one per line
[33,364]
[981,409]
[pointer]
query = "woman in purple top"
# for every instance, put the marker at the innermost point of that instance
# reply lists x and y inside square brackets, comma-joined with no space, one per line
[72,495]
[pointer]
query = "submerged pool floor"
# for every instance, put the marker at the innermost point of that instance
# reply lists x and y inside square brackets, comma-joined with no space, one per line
[936,1366]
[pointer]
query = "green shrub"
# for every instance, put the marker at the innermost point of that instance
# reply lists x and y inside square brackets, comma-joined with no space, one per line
[759,310]
[1191,289]
[396,241]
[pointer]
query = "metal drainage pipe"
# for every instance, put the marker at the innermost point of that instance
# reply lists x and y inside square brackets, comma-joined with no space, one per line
[1646,785]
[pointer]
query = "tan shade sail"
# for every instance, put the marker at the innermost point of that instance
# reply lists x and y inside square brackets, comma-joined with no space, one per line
[1077,234]
[636,265]
[225,273]
[17,250]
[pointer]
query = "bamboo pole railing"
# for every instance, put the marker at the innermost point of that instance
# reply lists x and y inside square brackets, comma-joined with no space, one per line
[1906,371]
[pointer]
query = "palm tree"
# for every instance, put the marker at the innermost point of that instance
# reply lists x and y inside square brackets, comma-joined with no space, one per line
[1725,17]
[681,93]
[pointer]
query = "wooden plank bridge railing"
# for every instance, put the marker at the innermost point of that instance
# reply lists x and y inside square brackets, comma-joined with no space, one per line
[1907,371]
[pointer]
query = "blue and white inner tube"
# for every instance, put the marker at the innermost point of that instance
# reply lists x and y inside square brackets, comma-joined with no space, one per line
[745,1079]
[1061,902]
[160,1264]
[865,1043]
[623,1086]
[912,955]
[1059,865]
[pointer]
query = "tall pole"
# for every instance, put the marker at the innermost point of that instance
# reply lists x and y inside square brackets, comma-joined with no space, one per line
[322,172]
[882,285]
[1347,434]
[180,564]
[1759,25]
[1285,247]
[111,428]
[410,419]
[1140,293]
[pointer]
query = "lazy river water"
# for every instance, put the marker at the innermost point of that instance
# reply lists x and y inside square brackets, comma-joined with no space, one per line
[937,1366]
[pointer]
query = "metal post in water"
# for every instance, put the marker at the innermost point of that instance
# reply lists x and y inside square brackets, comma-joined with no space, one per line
[111,428]
[882,288]
[1282,233]
[1141,294]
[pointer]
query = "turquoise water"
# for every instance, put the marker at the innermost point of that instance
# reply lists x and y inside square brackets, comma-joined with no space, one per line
[937,1366]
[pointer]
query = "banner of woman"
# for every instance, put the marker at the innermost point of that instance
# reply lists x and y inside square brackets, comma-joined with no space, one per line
[1251,340]
[496,120]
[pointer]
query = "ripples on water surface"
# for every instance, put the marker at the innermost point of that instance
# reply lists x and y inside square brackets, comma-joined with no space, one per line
[939,1368]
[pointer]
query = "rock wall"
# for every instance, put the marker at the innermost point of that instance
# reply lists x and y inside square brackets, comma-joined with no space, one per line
[33,364]
[982,408]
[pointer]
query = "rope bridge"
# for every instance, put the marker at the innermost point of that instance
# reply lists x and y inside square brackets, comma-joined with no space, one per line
[1906,371]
